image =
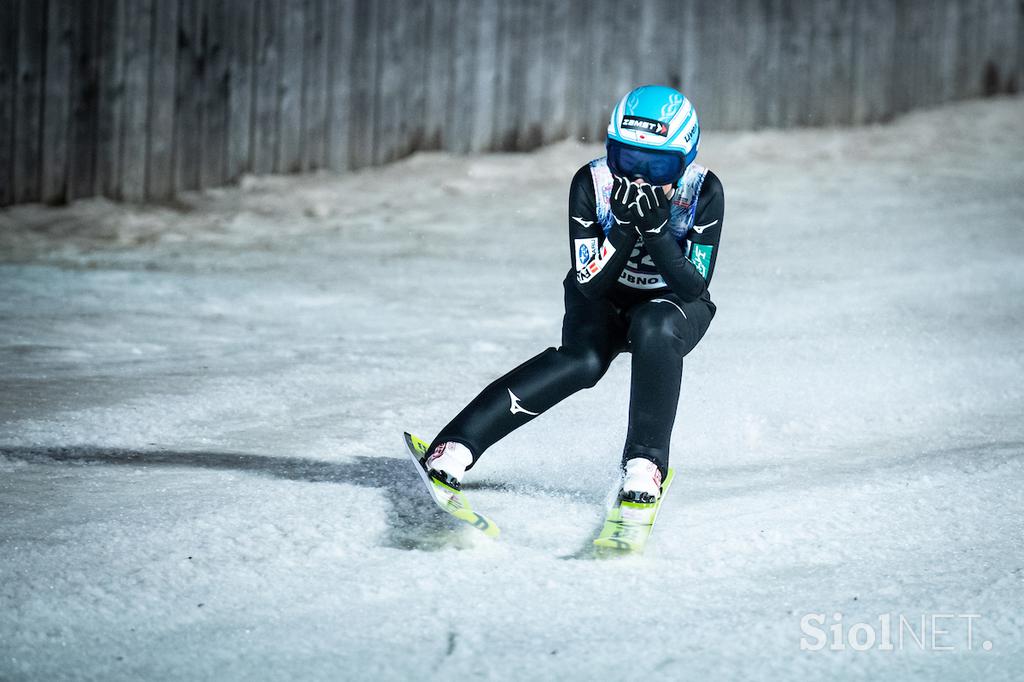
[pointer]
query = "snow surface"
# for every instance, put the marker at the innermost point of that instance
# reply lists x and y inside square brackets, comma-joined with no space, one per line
[202,473]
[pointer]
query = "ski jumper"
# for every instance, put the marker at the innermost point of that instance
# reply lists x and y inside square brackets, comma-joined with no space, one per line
[624,293]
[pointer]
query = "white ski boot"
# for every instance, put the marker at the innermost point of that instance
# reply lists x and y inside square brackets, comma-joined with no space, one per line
[642,481]
[447,463]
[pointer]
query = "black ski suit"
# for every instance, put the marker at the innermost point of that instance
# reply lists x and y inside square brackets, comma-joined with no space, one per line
[647,298]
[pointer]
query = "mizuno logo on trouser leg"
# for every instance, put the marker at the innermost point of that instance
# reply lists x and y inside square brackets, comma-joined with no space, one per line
[516,408]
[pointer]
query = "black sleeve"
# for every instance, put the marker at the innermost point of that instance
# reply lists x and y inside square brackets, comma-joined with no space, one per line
[689,278]
[596,260]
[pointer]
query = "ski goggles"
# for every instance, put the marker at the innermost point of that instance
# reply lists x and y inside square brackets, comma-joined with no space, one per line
[656,167]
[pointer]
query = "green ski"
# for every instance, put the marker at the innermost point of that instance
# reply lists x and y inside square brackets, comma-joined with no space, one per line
[628,525]
[447,498]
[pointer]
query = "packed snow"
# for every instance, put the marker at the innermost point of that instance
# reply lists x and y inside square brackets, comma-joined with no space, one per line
[202,473]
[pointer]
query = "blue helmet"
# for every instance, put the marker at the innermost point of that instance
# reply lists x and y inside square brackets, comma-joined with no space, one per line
[658,118]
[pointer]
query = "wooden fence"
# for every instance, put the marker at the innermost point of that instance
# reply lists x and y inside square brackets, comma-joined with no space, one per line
[141,99]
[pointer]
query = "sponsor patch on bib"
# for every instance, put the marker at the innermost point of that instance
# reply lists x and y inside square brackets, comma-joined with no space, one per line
[586,251]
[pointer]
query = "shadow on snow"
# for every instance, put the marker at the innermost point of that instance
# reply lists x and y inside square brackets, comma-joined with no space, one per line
[414,522]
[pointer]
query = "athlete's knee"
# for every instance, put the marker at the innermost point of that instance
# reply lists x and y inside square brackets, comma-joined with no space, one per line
[658,325]
[588,364]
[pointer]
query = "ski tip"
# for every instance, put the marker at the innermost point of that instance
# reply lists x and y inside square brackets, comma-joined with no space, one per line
[453,501]
[415,444]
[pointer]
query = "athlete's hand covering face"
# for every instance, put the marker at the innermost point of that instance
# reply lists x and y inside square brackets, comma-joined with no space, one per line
[624,193]
[651,209]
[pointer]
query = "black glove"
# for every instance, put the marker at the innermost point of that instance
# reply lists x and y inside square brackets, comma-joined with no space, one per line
[623,195]
[651,210]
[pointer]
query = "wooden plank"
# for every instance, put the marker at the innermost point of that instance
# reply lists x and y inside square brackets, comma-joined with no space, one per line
[665,33]
[784,20]
[459,122]
[987,64]
[57,102]
[421,92]
[654,58]
[916,67]
[485,100]
[530,127]
[773,72]
[925,58]
[111,98]
[799,29]
[590,75]
[963,42]
[830,55]
[314,87]
[213,169]
[948,48]
[939,59]
[289,132]
[556,73]
[266,75]
[341,52]
[605,88]
[167,76]
[751,41]
[189,80]
[439,57]
[668,30]
[390,28]
[1005,41]
[84,100]
[699,41]
[901,78]
[876,24]
[819,56]
[973,49]
[240,39]
[506,98]
[765,78]
[720,56]
[884,28]
[135,116]
[544,30]
[864,75]
[1020,47]
[577,64]
[8,77]
[861,74]
[391,107]
[516,94]
[689,59]
[364,85]
[951,13]
[804,110]
[619,74]
[414,81]
[749,36]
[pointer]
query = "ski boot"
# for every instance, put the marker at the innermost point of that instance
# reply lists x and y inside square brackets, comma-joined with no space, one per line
[447,463]
[641,482]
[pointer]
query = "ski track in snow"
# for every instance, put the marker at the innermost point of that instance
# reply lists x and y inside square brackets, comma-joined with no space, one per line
[202,472]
